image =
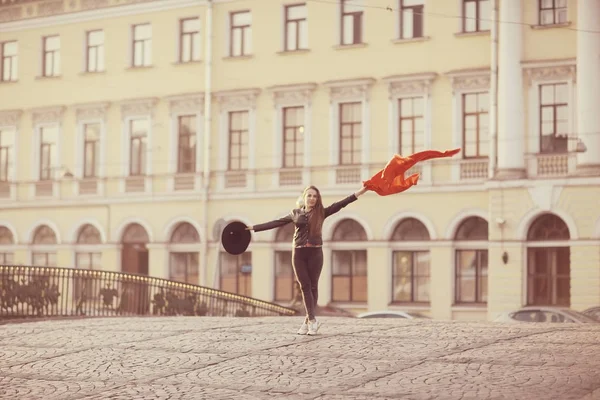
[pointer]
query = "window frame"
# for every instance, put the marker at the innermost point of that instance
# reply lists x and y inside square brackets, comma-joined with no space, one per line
[98,48]
[297,24]
[144,63]
[415,9]
[478,18]
[14,62]
[244,29]
[55,54]
[194,36]
[357,25]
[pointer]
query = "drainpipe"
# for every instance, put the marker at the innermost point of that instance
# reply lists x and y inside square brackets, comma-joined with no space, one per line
[494,94]
[206,137]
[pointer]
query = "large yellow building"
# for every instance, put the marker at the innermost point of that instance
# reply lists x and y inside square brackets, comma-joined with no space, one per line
[132,130]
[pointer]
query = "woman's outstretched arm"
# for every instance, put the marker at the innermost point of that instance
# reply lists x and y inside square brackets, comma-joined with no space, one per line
[276,223]
[338,205]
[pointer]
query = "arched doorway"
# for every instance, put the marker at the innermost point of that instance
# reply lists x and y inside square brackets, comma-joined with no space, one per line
[134,254]
[410,262]
[286,287]
[471,262]
[87,256]
[349,266]
[548,262]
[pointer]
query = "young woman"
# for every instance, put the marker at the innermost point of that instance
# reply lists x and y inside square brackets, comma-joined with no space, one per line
[307,252]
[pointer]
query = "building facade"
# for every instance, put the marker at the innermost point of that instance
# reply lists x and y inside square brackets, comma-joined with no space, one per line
[132,131]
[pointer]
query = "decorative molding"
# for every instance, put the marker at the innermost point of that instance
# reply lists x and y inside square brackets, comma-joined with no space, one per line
[191,103]
[551,70]
[237,99]
[138,107]
[349,89]
[24,15]
[47,114]
[88,111]
[470,79]
[10,117]
[399,85]
[48,8]
[11,14]
[292,94]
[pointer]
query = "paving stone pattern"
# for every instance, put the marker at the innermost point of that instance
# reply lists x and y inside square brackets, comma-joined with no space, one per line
[263,358]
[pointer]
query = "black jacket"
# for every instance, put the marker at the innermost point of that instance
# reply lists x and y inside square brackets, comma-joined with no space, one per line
[300,220]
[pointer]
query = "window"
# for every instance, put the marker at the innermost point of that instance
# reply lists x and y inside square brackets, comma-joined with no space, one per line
[241,33]
[349,267]
[51,56]
[411,276]
[411,125]
[411,19]
[293,137]
[6,239]
[296,27]
[238,140]
[189,41]
[44,235]
[471,271]
[286,288]
[7,154]
[552,12]
[351,25]
[91,150]
[349,276]
[548,267]
[8,55]
[554,117]
[350,133]
[48,151]
[475,124]
[142,45]
[476,15]
[236,273]
[95,51]
[138,137]
[410,268]
[186,156]
[184,266]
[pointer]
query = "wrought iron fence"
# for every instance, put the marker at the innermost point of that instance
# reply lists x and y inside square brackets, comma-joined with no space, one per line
[27,291]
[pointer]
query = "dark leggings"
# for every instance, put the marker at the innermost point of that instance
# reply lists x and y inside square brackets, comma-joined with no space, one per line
[308,263]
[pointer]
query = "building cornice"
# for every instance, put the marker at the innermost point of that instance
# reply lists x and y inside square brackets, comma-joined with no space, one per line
[26,15]
[549,70]
[293,94]
[470,79]
[10,117]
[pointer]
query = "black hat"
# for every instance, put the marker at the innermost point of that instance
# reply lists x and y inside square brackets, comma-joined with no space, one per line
[235,238]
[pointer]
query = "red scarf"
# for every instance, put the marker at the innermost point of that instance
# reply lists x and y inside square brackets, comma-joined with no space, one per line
[390,180]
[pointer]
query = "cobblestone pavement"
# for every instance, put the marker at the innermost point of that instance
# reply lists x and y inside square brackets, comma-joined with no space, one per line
[263,358]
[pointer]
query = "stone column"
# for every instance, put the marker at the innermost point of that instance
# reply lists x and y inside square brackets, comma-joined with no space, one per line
[588,85]
[511,119]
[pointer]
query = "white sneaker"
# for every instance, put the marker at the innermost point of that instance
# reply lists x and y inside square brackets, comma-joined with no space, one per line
[313,328]
[303,329]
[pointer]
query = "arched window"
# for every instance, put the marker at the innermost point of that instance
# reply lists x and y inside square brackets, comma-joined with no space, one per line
[471,265]
[548,264]
[87,256]
[285,282]
[6,242]
[185,233]
[410,262]
[44,253]
[135,233]
[349,267]
[88,234]
[184,254]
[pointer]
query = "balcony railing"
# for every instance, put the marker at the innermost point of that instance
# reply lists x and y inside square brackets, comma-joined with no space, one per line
[551,165]
[27,292]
